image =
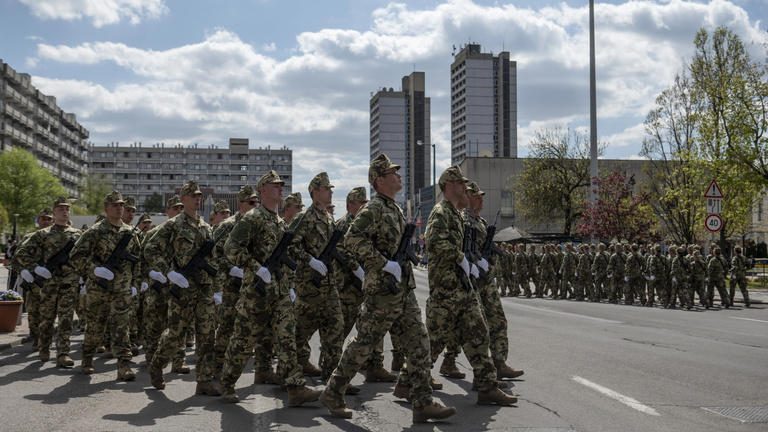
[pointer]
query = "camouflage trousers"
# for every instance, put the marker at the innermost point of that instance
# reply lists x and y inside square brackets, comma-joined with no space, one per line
[566,287]
[319,310]
[108,311]
[156,321]
[225,320]
[459,315]
[698,288]
[399,314]
[599,287]
[616,288]
[634,287]
[57,299]
[81,308]
[350,309]
[253,315]
[580,287]
[547,284]
[680,290]
[32,306]
[718,283]
[195,301]
[741,281]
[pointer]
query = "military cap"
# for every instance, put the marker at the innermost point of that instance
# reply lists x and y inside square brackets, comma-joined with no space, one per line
[451,174]
[293,199]
[130,202]
[46,212]
[357,195]
[61,201]
[220,206]
[320,180]
[380,166]
[474,189]
[145,218]
[114,197]
[190,188]
[246,194]
[272,177]
[173,202]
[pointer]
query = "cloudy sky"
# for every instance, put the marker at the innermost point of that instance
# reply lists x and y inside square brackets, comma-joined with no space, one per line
[300,72]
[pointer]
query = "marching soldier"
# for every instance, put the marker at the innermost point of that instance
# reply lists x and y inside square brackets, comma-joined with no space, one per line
[633,276]
[547,271]
[656,275]
[698,275]
[599,273]
[567,272]
[292,206]
[221,212]
[739,276]
[716,274]
[584,275]
[616,272]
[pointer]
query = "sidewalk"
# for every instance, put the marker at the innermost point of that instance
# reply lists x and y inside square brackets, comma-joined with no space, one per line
[16,337]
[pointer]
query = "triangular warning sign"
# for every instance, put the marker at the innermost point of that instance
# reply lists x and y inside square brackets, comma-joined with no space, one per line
[713,190]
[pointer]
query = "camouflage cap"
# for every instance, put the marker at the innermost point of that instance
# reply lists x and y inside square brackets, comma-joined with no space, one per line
[474,189]
[293,199]
[145,218]
[357,195]
[380,166]
[272,177]
[114,197]
[173,202]
[61,201]
[246,194]
[320,180]
[46,213]
[220,206]
[130,202]
[190,188]
[451,174]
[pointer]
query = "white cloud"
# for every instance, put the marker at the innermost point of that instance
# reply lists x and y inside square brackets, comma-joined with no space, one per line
[100,12]
[269,47]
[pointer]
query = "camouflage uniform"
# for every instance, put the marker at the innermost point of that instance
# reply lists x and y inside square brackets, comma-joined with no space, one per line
[698,275]
[633,276]
[567,272]
[739,276]
[679,276]
[521,273]
[548,273]
[584,276]
[656,276]
[716,271]
[599,274]
[533,264]
[616,273]
[316,308]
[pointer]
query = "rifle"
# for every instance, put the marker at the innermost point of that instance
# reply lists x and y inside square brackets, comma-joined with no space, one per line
[467,247]
[58,260]
[114,262]
[278,257]
[404,254]
[330,253]
[195,265]
[489,248]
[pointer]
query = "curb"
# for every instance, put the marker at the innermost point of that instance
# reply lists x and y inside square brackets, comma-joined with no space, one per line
[16,342]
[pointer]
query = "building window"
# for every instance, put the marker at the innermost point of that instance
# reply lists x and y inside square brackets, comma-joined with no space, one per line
[507,203]
[243,178]
[243,167]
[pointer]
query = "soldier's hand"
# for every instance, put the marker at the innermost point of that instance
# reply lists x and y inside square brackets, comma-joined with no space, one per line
[43,272]
[465,266]
[292,295]
[217,297]
[237,272]
[318,266]
[653,277]
[483,264]
[157,276]
[394,269]
[474,271]
[144,286]
[264,274]
[178,279]
[83,290]
[359,273]
[134,291]
[626,278]
[674,280]
[27,276]
[103,273]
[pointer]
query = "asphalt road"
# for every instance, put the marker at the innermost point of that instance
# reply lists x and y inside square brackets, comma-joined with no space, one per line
[589,367]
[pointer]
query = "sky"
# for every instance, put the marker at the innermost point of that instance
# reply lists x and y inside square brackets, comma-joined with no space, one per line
[300,73]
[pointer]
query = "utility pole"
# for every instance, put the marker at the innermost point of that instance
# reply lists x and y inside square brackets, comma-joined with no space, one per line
[593,172]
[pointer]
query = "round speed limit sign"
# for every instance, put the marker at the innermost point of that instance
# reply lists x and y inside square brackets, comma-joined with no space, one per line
[713,223]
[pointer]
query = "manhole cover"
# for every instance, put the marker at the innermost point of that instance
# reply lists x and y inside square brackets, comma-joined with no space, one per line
[755,414]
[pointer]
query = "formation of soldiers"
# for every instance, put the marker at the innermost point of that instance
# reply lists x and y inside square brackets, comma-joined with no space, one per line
[635,274]
[258,283]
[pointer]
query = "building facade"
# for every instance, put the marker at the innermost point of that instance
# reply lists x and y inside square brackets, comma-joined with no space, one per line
[400,128]
[142,171]
[483,105]
[32,121]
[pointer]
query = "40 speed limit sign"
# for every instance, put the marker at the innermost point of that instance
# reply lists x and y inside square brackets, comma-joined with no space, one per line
[713,223]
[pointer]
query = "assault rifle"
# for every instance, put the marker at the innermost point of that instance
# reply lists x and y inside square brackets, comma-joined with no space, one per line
[330,253]
[54,263]
[114,262]
[467,247]
[196,264]
[278,258]
[489,248]
[404,254]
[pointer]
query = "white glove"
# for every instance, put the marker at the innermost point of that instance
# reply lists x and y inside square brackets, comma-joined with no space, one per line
[674,280]
[82,290]
[292,295]
[43,272]
[394,269]
[359,273]
[27,276]
[178,279]
[483,264]
[653,277]
[103,273]
[237,272]
[318,266]
[626,278]
[465,266]
[144,286]
[157,276]
[134,292]
[473,270]
[81,281]
[217,297]
[264,274]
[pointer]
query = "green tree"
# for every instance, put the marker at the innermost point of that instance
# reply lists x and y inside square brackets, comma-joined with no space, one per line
[25,186]
[154,203]
[93,189]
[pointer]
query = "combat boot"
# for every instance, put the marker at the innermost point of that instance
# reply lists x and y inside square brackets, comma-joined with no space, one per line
[311,370]
[87,365]
[101,349]
[44,355]
[500,384]
[435,384]
[494,396]
[402,391]
[298,395]
[179,367]
[379,374]
[64,361]
[334,402]
[449,369]
[208,388]
[504,371]
[433,411]
[352,390]
[266,377]
[229,395]
[156,377]
[397,361]
[124,372]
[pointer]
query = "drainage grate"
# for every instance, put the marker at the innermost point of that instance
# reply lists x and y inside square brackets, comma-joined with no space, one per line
[754,414]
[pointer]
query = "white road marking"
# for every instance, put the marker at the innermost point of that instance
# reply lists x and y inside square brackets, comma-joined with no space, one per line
[750,319]
[626,400]
[607,321]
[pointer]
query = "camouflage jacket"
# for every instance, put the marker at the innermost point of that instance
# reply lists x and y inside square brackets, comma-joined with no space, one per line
[616,265]
[715,269]
[521,265]
[312,230]
[445,233]
[547,266]
[633,267]
[344,276]
[220,261]
[568,267]
[96,244]
[45,243]
[698,269]
[584,267]
[679,270]
[656,267]
[176,241]
[600,264]
[739,266]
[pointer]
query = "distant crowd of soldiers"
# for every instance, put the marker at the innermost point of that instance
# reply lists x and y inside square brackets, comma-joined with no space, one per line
[634,274]
[260,282]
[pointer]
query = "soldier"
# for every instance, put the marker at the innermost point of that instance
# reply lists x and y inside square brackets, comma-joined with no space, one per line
[389,303]
[716,275]
[145,224]
[90,257]
[59,284]
[633,276]
[521,273]
[228,282]
[221,212]
[698,275]
[547,272]
[616,272]
[317,307]
[172,247]
[677,276]
[533,275]
[251,242]
[584,275]
[292,206]
[656,275]
[599,273]
[567,272]
[739,276]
